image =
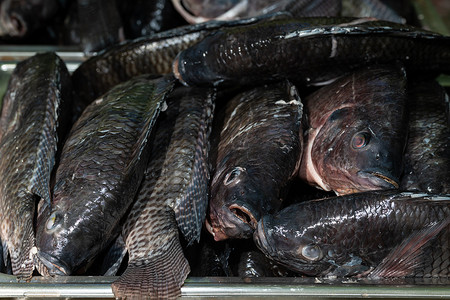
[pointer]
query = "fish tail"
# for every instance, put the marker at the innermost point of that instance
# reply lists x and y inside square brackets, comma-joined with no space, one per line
[154,277]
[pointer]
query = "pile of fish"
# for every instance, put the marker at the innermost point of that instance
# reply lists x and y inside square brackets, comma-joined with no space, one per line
[322,144]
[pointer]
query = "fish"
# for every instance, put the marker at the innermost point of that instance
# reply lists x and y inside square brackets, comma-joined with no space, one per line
[143,18]
[102,164]
[376,234]
[197,11]
[100,24]
[349,147]
[257,153]
[174,194]
[19,19]
[308,55]
[152,54]
[33,120]
[427,153]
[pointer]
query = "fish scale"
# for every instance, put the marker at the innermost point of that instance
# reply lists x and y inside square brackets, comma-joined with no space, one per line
[173,195]
[32,108]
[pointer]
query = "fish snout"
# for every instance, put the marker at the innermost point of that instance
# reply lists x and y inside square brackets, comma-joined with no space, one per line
[378,179]
[260,238]
[49,265]
[234,221]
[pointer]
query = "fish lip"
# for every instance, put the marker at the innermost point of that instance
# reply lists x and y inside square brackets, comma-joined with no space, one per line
[53,265]
[224,224]
[378,179]
[252,223]
[260,238]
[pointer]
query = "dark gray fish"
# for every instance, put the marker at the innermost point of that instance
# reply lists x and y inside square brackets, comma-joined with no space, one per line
[101,167]
[33,117]
[257,154]
[427,154]
[147,55]
[100,24]
[357,132]
[142,17]
[174,193]
[20,18]
[197,11]
[379,234]
[370,8]
[308,54]
[256,264]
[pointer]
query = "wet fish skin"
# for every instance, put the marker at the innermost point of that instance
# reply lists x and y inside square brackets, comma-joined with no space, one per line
[349,235]
[34,111]
[257,153]
[308,55]
[102,164]
[147,55]
[256,264]
[173,195]
[427,154]
[348,147]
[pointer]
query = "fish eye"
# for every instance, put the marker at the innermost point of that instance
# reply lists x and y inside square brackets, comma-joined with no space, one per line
[312,252]
[360,140]
[53,220]
[233,175]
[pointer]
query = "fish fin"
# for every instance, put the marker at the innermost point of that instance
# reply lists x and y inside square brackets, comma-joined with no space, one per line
[407,256]
[157,276]
[163,87]
[114,257]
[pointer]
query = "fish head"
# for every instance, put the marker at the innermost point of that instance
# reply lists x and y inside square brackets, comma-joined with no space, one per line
[355,151]
[288,242]
[64,240]
[237,200]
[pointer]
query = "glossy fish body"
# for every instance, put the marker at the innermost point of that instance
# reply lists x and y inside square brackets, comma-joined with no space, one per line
[256,264]
[312,54]
[427,153]
[102,164]
[33,114]
[197,11]
[360,234]
[173,194]
[349,147]
[147,55]
[257,153]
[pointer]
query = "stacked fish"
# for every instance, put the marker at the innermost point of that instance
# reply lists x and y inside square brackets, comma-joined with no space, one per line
[212,126]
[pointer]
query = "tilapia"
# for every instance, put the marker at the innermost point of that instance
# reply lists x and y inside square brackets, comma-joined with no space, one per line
[99,24]
[258,151]
[34,116]
[376,234]
[427,154]
[357,132]
[102,164]
[256,264]
[197,11]
[174,194]
[308,54]
[147,55]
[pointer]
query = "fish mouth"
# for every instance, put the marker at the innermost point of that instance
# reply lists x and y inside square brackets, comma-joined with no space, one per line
[234,221]
[50,265]
[379,180]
